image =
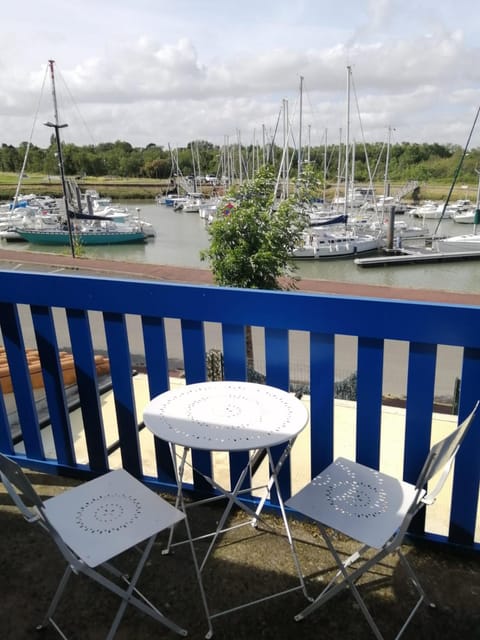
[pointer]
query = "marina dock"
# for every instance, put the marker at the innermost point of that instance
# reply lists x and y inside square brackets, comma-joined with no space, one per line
[400,257]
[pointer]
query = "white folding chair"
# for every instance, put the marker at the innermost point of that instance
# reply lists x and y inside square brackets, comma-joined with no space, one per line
[374,509]
[91,525]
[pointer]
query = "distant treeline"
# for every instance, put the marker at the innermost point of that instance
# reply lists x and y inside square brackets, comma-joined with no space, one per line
[406,161]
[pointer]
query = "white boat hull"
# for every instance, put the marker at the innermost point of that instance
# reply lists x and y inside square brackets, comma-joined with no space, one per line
[336,245]
[468,242]
[464,217]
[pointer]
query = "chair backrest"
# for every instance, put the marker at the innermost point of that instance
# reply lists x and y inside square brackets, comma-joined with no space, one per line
[20,489]
[441,457]
[21,492]
[439,461]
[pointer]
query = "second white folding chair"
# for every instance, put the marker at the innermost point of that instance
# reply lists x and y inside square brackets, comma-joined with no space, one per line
[374,509]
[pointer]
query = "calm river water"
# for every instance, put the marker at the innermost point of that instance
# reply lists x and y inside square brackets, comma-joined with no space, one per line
[181,236]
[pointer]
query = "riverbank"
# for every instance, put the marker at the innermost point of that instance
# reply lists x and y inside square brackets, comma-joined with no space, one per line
[116,188]
[121,189]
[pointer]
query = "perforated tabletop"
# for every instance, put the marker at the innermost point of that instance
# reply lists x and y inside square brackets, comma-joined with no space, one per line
[226,416]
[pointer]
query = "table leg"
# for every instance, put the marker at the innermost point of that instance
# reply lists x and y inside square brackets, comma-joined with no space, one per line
[180,504]
[232,499]
[274,476]
[179,501]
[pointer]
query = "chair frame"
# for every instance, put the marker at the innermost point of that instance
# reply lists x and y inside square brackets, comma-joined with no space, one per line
[22,492]
[437,465]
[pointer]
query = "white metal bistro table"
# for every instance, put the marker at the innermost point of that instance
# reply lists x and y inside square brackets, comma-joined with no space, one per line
[230,417]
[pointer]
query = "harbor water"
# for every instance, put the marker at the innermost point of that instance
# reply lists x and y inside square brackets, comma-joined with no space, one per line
[180,237]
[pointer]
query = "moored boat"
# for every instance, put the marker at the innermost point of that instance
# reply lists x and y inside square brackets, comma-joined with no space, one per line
[429,210]
[85,237]
[466,243]
[125,220]
[78,227]
[322,244]
[468,216]
[172,199]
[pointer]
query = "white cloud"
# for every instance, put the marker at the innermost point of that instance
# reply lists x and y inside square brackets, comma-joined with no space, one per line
[155,71]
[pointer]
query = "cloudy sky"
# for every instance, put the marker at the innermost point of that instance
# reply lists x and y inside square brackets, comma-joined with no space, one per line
[151,71]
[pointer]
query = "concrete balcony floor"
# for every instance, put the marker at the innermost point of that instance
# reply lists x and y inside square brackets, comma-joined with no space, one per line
[248,563]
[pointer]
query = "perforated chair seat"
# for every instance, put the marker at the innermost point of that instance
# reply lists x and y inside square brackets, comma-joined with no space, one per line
[363,503]
[102,518]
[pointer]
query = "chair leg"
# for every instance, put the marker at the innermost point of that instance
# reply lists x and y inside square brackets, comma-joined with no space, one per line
[128,598]
[416,582]
[131,587]
[349,579]
[54,603]
[334,587]
[414,579]
[136,599]
[131,595]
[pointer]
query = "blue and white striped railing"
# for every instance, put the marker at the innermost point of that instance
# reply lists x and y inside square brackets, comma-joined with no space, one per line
[33,306]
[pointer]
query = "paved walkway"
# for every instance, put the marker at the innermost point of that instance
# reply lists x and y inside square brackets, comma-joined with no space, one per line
[13,259]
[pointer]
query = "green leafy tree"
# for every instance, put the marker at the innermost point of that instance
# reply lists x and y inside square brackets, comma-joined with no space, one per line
[424,162]
[130,165]
[251,243]
[10,159]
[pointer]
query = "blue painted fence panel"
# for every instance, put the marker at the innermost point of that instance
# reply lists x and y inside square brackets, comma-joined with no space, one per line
[53,380]
[424,326]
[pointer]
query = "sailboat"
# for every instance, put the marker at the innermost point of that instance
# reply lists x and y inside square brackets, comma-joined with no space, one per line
[77,228]
[324,242]
[86,235]
[468,242]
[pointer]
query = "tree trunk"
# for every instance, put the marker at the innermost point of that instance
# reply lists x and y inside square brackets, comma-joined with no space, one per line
[249,348]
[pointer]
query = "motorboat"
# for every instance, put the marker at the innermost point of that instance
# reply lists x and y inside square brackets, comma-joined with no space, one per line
[466,216]
[31,217]
[172,200]
[322,244]
[193,202]
[466,243]
[429,210]
[122,216]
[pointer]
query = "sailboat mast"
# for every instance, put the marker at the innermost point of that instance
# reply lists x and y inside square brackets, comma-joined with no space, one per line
[55,125]
[240,158]
[54,93]
[300,130]
[325,167]
[347,143]
[385,176]
[286,159]
[339,169]
[457,171]
[477,205]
